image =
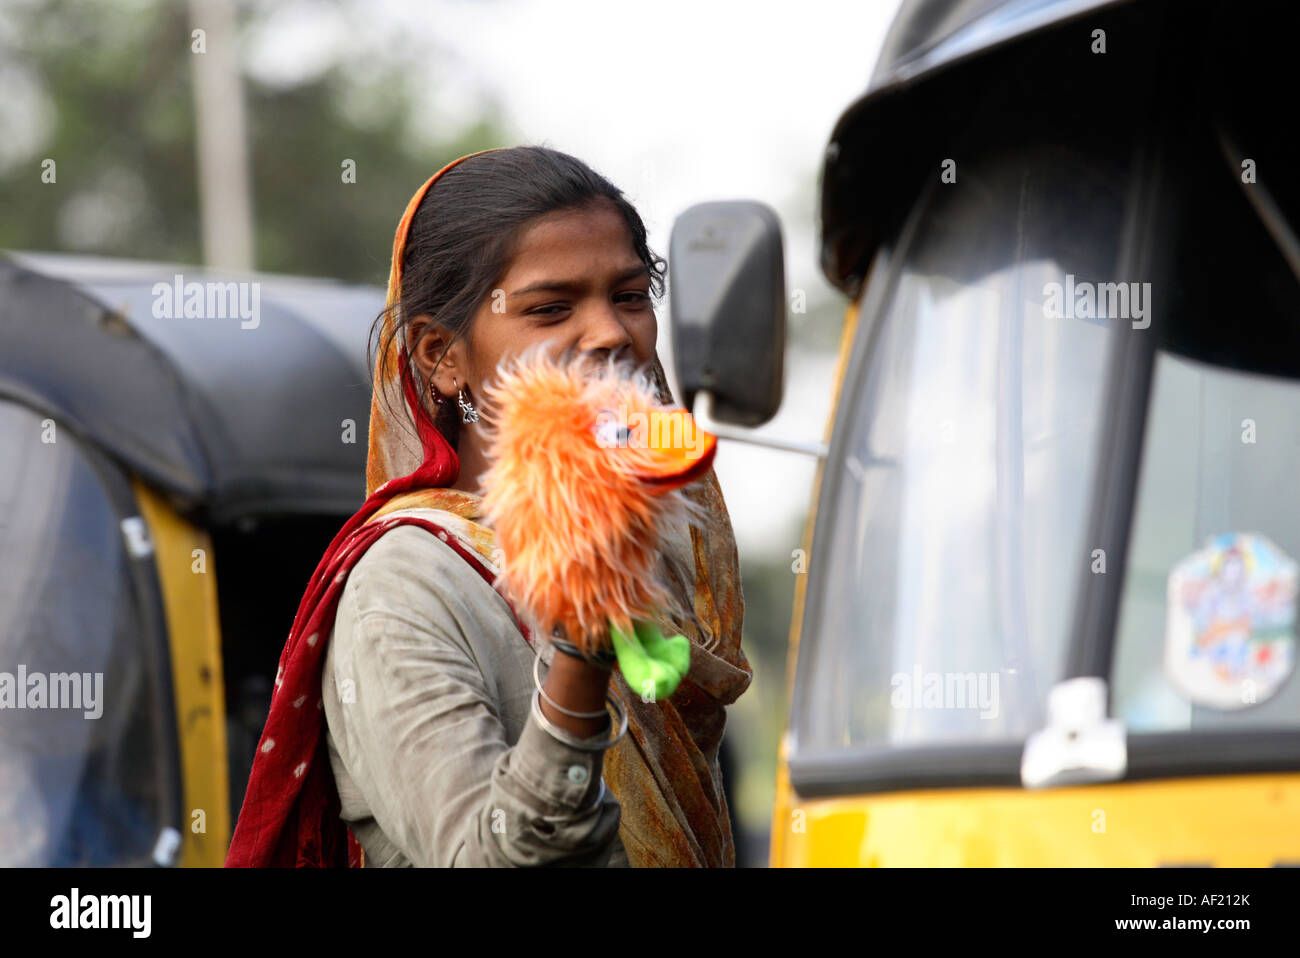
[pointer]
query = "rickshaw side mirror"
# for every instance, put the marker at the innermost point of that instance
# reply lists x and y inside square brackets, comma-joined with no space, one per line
[727,284]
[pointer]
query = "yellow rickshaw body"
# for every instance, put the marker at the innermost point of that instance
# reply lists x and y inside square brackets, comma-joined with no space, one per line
[187,575]
[1233,821]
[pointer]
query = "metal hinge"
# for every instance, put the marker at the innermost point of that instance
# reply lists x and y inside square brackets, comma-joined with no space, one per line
[135,532]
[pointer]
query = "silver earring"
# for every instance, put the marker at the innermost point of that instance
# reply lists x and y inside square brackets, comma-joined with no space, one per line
[467,411]
[434,394]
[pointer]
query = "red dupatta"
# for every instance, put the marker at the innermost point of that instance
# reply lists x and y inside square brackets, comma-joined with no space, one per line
[290,815]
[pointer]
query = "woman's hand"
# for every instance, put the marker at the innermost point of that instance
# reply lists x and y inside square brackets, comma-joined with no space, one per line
[579,687]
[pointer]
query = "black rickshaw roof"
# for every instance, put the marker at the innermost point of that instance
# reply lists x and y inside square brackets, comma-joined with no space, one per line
[927,39]
[930,35]
[228,420]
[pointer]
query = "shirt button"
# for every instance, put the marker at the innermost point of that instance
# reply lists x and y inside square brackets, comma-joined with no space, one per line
[577,774]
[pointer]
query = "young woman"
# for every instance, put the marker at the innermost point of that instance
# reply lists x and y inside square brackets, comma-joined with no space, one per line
[404,721]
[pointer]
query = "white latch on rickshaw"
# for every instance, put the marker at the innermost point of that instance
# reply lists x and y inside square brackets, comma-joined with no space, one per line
[1080,744]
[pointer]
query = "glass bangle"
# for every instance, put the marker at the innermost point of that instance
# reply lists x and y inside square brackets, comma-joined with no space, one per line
[602,660]
[568,738]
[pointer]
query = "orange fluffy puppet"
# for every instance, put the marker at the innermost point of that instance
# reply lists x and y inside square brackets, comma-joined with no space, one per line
[586,466]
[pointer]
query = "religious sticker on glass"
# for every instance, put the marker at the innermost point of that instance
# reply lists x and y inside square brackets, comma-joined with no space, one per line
[1230,630]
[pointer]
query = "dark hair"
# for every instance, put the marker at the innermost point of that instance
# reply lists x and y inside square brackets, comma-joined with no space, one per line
[465,231]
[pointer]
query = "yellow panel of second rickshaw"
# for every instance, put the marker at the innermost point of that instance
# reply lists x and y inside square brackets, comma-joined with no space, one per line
[194,631]
[1242,821]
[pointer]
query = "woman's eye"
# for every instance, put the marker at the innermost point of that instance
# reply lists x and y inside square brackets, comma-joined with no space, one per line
[635,299]
[550,312]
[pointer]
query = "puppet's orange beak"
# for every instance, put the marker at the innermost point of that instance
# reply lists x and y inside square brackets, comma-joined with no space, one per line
[682,450]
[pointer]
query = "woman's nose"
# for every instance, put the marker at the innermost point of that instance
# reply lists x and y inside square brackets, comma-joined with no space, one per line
[605,335]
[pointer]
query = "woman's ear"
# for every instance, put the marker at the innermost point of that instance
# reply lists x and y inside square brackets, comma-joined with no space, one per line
[430,343]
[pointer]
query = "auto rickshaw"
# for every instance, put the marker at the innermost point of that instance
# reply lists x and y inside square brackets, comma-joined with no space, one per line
[178,449]
[1049,614]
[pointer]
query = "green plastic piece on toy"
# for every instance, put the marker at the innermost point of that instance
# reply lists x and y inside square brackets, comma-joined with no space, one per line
[652,664]
[675,650]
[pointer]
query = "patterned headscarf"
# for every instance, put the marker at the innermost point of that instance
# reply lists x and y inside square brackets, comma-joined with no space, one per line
[664,772]
[402,449]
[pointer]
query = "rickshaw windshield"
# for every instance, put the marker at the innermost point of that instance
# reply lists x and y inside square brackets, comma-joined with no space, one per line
[78,730]
[1205,638]
[940,597]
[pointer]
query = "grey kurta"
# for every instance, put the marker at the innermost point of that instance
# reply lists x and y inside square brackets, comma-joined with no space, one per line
[438,758]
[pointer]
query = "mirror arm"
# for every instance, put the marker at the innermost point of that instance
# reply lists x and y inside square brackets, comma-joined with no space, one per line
[818,450]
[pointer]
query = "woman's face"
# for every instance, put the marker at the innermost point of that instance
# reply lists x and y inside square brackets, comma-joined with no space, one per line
[575,282]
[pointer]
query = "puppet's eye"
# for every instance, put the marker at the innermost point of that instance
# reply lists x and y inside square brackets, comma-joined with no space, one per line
[610,432]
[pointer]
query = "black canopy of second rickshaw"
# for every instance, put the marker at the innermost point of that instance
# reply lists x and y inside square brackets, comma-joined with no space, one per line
[232,418]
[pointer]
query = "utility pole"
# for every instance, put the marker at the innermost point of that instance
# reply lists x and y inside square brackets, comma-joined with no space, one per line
[225,203]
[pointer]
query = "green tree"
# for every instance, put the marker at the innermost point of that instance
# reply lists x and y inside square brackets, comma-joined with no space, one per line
[105,91]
